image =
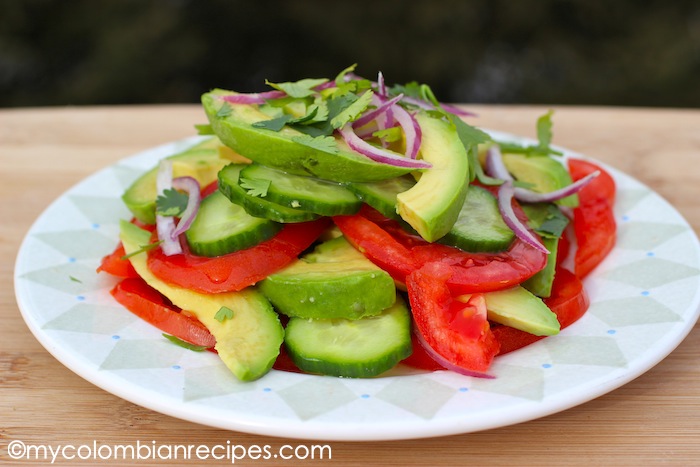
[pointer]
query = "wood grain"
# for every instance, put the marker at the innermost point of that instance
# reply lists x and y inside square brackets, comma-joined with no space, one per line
[44,151]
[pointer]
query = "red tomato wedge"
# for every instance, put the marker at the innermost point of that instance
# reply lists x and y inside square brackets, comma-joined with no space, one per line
[594,220]
[115,264]
[378,245]
[457,332]
[240,269]
[148,304]
[595,229]
[399,253]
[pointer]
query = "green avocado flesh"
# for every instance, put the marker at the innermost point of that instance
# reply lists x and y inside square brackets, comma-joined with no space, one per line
[544,173]
[518,308]
[248,343]
[281,151]
[334,281]
[433,204]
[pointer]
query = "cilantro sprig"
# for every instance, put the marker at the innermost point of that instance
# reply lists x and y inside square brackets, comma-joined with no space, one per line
[171,203]
[223,314]
[544,140]
[255,186]
[184,344]
[142,249]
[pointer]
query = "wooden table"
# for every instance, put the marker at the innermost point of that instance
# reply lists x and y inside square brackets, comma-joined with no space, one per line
[44,151]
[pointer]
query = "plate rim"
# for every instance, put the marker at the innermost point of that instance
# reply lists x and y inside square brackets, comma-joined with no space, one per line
[322,430]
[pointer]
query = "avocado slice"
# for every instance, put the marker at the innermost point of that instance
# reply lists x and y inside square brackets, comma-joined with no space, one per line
[433,204]
[518,308]
[279,149]
[248,343]
[201,162]
[333,281]
[544,173]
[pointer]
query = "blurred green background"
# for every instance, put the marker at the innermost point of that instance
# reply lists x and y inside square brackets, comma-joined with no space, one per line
[634,53]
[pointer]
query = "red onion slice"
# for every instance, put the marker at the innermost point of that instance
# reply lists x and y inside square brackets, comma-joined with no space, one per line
[252,98]
[506,193]
[381,86]
[442,361]
[494,164]
[411,130]
[191,186]
[457,111]
[378,154]
[529,196]
[428,106]
[165,225]
[376,113]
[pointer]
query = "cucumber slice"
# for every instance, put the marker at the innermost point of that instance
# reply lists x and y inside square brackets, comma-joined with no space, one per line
[255,205]
[351,348]
[382,195]
[222,227]
[305,193]
[480,226]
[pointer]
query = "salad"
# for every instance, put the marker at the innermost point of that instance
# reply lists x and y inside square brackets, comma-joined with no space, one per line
[343,227]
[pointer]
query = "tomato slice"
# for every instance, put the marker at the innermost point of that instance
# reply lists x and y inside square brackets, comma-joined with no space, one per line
[240,269]
[484,272]
[147,303]
[378,245]
[399,253]
[600,188]
[594,220]
[569,301]
[459,333]
[115,264]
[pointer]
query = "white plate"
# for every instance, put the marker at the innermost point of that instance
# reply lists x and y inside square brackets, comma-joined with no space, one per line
[644,300]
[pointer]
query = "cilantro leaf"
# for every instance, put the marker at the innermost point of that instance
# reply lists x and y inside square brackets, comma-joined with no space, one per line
[274,124]
[477,172]
[315,129]
[310,115]
[322,143]
[340,78]
[468,135]
[277,123]
[141,249]
[544,138]
[171,203]
[337,103]
[301,88]
[184,344]
[546,219]
[544,131]
[321,109]
[255,186]
[412,89]
[224,111]
[223,314]
[352,111]
[75,279]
